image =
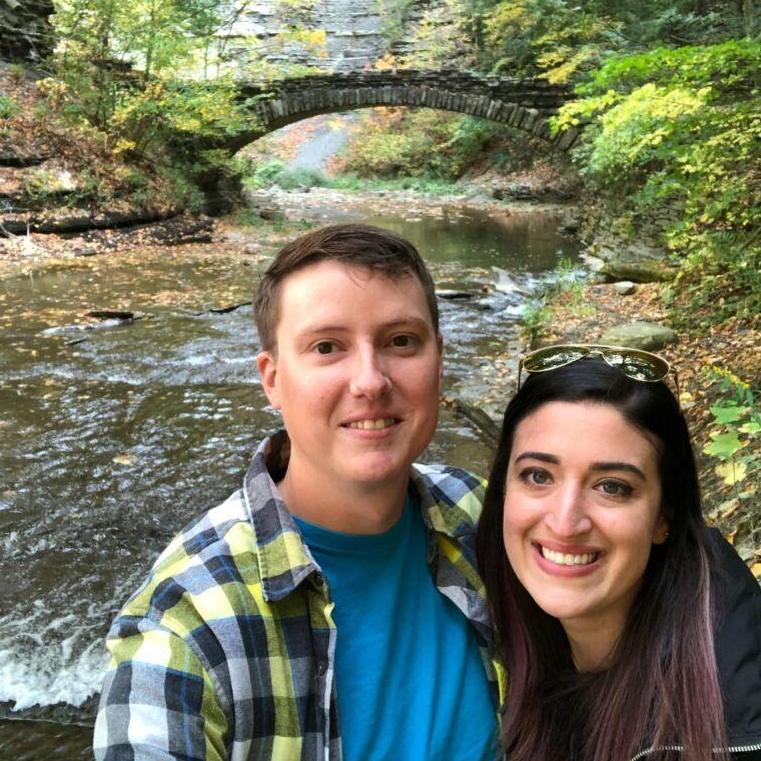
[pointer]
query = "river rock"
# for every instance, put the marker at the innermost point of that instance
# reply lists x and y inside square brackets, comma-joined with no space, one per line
[639,272]
[271,214]
[624,287]
[639,335]
[452,295]
[570,224]
[504,283]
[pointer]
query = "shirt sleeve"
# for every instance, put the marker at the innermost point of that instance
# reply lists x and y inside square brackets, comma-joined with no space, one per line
[158,701]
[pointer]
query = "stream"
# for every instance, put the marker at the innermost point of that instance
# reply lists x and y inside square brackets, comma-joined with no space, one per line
[114,433]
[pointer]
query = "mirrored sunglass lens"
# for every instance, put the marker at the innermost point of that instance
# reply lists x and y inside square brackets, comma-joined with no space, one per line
[550,358]
[643,368]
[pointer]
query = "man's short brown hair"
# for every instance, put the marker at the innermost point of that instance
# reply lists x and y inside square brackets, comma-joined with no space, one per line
[354,245]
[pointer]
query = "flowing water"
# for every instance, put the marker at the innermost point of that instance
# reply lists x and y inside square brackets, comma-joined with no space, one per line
[114,434]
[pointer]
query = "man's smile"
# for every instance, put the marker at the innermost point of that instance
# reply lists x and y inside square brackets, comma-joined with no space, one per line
[371,424]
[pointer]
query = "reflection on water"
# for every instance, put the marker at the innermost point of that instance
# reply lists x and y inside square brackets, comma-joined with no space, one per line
[111,439]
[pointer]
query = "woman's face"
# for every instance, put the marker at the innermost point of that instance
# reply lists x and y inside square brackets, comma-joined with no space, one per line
[582,511]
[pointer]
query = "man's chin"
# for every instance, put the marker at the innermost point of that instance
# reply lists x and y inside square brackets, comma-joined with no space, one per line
[378,469]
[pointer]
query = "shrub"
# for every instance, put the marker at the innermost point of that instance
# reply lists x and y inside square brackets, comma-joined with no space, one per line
[8,107]
[683,127]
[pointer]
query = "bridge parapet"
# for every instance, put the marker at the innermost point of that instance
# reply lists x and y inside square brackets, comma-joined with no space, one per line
[524,104]
[532,93]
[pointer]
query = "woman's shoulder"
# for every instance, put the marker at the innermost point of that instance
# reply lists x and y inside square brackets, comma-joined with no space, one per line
[737,601]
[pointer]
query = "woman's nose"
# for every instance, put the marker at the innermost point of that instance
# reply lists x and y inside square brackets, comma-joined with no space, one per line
[568,516]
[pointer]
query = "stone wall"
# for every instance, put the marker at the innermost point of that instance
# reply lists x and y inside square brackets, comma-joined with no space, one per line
[24,30]
[355,32]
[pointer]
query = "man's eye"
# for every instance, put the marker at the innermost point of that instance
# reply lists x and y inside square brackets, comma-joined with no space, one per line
[402,341]
[325,347]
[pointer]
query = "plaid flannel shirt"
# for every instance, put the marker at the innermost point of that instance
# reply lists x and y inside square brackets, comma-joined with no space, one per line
[228,649]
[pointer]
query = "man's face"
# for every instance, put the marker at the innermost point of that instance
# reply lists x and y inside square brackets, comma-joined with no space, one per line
[356,375]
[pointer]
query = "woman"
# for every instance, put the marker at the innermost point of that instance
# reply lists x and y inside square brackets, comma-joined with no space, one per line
[629,629]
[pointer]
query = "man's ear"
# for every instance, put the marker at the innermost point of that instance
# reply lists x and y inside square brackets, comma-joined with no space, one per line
[440,346]
[267,366]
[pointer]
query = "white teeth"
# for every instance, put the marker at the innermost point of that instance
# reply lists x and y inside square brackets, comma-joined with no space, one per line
[372,425]
[561,558]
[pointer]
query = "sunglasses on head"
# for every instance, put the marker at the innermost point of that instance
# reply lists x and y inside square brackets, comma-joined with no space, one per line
[636,364]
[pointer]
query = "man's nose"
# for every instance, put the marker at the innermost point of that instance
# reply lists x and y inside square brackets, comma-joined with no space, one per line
[370,377]
[568,516]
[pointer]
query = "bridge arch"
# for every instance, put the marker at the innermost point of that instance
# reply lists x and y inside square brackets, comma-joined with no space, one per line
[524,104]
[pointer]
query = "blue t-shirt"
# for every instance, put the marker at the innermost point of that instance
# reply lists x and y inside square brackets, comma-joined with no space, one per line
[410,681]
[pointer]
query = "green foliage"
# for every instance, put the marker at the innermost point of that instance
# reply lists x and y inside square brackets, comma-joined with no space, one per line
[563,287]
[394,14]
[549,37]
[562,39]
[683,127]
[731,66]
[143,70]
[424,185]
[444,33]
[298,38]
[276,172]
[39,187]
[535,318]
[736,431]
[8,107]
[426,144]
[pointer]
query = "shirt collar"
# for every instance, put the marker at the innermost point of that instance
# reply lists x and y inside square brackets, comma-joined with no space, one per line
[284,559]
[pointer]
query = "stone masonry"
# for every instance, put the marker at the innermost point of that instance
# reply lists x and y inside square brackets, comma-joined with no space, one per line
[521,103]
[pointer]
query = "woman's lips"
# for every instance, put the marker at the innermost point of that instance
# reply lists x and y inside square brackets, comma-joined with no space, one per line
[568,561]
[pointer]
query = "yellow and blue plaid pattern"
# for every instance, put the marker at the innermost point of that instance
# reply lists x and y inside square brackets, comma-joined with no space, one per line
[228,649]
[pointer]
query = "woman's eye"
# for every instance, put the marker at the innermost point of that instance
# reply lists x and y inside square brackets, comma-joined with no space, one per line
[615,488]
[325,347]
[536,477]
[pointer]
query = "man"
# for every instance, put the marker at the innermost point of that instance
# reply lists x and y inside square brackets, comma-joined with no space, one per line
[330,609]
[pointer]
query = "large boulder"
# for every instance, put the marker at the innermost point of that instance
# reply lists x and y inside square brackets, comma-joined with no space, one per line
[642,271]
[639,335]
[25,33]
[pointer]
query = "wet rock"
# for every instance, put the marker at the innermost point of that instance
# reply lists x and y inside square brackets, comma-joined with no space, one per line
[519,191]
[271,214]
[112,314]
[593,263]
[570,225]
[639,272]
[106,318]
[639,335]
[504,283]
[230,308]
[11,157]
[488,428]
[624,287]
[451,295]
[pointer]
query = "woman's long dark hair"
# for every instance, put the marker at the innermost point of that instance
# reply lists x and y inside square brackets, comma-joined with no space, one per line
[662,687]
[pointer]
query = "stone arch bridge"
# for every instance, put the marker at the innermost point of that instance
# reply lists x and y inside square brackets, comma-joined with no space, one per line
[524,104]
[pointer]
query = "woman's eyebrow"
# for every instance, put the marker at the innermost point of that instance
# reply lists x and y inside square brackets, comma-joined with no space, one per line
[606,466]
[542,456]
[603,466]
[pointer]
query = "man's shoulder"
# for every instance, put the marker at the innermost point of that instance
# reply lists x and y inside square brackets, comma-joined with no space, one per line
[196,573]
[205,532]
[453,492]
